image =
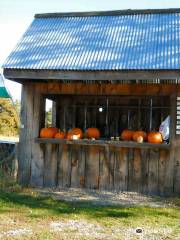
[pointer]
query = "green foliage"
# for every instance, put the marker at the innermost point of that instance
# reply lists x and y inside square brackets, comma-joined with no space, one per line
[48,118]
[9,118]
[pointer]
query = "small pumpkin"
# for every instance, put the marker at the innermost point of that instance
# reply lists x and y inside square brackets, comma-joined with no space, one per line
[139,136]
[127,135]
[155,137]
[60,135]
[69,136]
[93,133]
[48,132]
[77,132]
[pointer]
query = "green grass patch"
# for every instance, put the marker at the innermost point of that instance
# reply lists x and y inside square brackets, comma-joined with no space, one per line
[48,207]
[32,210]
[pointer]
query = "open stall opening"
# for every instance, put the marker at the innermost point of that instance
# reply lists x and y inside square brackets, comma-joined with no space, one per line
[110,114]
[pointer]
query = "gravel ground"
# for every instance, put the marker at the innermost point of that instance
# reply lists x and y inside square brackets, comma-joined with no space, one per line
[104,198]
[88,230]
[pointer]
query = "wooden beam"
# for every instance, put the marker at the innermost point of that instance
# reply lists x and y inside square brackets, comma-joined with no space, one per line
[46,75]
[110,89]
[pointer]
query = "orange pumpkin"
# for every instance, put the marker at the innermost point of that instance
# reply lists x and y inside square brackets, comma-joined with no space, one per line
[69,136]
[139,136]
[155,137]
[127,135]
[77,132]
[60,135]
[93,133]
[48,132]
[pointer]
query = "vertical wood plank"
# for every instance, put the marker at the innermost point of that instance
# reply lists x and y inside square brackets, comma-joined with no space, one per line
[25,143]
[153,172]
[169,170]
[81,167]
[111,168]
[104,168]
[64,166]
[50,165]
[117,171]
[75,158]
[121,169]
[144,170]
[130,169]
[163,157]
[137,170]
[37,159]
[92,167]
[177,170]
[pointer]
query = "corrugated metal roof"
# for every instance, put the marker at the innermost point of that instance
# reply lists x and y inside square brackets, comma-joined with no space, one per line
[3,91]
[120,42]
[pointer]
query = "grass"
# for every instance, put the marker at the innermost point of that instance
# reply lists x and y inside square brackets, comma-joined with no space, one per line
[25,208]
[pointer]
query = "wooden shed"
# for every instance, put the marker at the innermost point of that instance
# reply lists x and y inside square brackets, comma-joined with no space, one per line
[110,70]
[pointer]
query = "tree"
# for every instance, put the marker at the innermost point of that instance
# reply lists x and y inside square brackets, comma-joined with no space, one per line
[9,117]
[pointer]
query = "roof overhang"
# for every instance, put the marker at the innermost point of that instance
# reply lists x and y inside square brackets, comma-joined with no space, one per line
[45,75]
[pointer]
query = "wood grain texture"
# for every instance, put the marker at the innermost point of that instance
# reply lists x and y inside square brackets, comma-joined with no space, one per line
[37,159]
[137,170]
[92,167]
[105,143]
[25,144]
[104,174]
[75,160]
[108,89]
[50,165]
[177,171]
[144,170]
[163,157]
[170,164]
[64,170]
[153,172]
[121,169]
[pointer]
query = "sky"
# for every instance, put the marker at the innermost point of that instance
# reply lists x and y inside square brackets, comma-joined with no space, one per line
[17,15]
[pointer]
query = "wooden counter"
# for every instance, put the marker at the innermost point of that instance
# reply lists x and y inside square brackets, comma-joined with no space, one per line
[85,142]
[107,165]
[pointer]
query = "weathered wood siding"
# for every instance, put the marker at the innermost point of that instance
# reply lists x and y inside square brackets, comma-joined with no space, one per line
[152,171]
[110,168]
[30,155]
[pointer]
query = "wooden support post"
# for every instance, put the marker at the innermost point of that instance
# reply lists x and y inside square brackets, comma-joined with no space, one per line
[25,144]
[37,157]
[170,163]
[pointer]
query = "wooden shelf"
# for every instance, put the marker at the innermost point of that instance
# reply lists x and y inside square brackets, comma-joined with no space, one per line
[129,144]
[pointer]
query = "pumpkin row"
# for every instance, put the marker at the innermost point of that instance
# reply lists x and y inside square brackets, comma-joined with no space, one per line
[141,136]
[73,134]
[94,133]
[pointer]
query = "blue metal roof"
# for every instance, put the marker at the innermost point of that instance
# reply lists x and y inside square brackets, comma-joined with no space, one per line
[120,42]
